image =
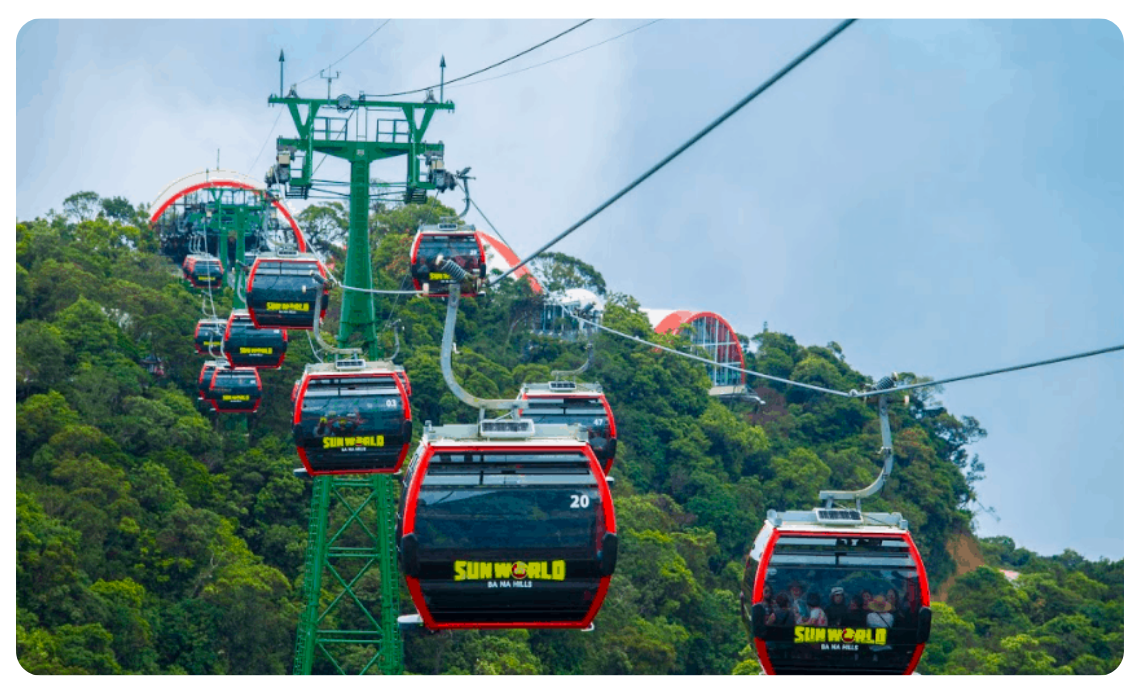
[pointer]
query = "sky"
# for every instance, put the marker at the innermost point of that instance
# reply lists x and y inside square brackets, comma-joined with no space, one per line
[939,197]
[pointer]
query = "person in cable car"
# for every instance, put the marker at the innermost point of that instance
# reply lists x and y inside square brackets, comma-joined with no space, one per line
[351,422]
[432,248]
[836,610]
[782,616]
[339,424]
[874,635]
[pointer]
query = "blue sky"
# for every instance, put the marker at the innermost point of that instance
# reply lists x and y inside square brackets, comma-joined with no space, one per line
[936,196]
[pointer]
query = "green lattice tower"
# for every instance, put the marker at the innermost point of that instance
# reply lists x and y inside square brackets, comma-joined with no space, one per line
[351,627]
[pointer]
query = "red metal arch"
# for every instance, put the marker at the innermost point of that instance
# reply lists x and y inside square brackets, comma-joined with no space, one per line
[223,183]
[672,324]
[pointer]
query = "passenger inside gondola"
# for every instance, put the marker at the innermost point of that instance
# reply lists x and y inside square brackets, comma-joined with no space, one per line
[352,424]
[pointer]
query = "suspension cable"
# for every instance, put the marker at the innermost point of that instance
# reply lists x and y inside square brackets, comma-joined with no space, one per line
[489,67]
[853,393]
[372,291]
[382,25]
[694,357]
[981,374]
[488,221]
[691,141]
[561,57]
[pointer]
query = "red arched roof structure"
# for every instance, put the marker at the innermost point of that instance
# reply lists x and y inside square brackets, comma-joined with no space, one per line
[713,333]
[500,257]
[218,179]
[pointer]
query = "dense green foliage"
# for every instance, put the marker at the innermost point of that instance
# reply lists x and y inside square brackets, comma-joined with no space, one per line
[152,538]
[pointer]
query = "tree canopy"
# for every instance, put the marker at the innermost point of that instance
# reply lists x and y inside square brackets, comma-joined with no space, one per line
[154,538]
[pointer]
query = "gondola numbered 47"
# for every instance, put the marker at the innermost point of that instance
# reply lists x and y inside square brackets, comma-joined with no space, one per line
[246,345]
[282,288]
[836,591]
[438,243]
[352,417]
[567,402]
[506,524]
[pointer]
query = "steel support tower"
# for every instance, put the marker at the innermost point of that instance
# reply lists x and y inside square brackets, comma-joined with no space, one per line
[349,623]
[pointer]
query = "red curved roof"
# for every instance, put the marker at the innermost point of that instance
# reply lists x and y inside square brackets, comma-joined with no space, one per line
[731,353]
[227,183]
[508,256]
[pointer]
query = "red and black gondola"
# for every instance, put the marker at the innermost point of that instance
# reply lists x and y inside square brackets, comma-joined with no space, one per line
[282,289]
[836,591]
[208,336]
[498,533]
[352,417]
[203,271]
[205,375]
[234,390]
[437,243]
[567,402]
[246,345]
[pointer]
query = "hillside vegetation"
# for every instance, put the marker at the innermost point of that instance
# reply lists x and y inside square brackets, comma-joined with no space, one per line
[154,538]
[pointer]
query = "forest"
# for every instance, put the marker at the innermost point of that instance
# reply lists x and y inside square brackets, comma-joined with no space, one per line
[155,538]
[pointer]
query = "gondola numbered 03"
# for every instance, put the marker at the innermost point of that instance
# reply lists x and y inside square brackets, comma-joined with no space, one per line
[352,416]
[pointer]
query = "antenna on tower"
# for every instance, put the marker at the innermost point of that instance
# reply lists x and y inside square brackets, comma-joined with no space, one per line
[442,65]
[329,78]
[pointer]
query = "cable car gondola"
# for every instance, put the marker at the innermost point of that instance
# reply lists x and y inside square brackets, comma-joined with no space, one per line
[836,591]
[246,345]
[208,335]
[205,375]
[203,271]
[567,402]
[506,524]
[282,288]
[234,390]
[352,417]
[437,243]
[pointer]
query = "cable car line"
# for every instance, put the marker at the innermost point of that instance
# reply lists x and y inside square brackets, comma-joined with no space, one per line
[1045,362]
[853,394]
[280,111]
[382,25]
[267,139]
[691,141]
[482,70]
[554,60]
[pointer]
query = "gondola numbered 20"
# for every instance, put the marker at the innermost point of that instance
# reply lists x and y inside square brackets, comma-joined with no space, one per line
[283,289]
[246,345]
[836,590]
[567,402]
[434,246]
[506,524]
[352,417]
